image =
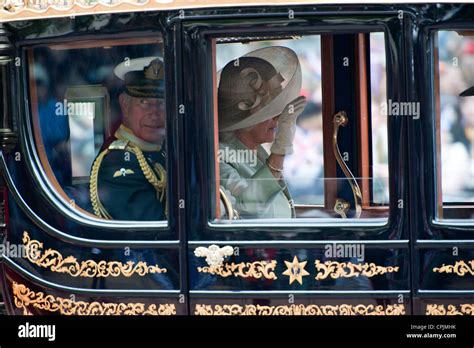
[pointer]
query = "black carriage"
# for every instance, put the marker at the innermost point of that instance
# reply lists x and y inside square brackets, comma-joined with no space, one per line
[381,179]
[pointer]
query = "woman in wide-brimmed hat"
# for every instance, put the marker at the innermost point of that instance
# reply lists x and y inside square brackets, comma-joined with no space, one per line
[258,102]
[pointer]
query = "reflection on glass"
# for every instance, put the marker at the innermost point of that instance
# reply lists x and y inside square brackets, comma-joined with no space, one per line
[378,92]
[81,125]
[303,169]
[103,107]
[456,74]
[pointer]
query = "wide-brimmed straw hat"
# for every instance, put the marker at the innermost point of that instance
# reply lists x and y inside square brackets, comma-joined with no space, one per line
[257,87]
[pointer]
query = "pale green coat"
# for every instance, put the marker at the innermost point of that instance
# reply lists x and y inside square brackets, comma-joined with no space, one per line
[254,191]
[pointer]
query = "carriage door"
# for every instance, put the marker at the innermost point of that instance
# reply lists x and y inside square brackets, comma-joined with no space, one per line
[443,225]
[87,253]
[346,250]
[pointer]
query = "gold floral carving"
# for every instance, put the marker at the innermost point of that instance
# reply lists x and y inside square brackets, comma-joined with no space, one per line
[440,309]
[53,260]
[299,309]
[24,298]
[336,269]
[257,270]
[461,268]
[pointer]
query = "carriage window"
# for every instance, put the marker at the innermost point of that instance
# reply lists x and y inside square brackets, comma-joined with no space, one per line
[99,123]
[378,92]
[278,104]
[454,81]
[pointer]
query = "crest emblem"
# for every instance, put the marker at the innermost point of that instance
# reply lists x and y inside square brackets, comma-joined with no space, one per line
[154,71]
[214,254]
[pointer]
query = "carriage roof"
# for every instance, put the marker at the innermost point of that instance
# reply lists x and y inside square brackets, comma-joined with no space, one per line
[16,10]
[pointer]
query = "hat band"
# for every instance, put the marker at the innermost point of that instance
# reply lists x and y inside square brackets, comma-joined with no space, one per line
[144,91]
[264,92]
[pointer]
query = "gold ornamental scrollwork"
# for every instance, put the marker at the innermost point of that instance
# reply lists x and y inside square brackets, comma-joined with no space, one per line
[256,269]
[461,268]
[56,262]
[450,309]
[299,309]
[337,270]
[25,298]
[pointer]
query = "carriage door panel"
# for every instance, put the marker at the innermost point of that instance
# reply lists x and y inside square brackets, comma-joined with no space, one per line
[444,143]
[345,250]
[75,262]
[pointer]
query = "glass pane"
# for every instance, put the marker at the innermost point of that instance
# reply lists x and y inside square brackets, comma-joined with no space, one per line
[378,92]
[303,169]
[270,124]
[456,74]
[99,120]
[83,152]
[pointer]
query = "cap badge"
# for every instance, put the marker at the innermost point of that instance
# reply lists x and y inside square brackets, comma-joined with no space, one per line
[154,71]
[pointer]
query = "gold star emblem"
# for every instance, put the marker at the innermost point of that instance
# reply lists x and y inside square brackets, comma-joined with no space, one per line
[296,270]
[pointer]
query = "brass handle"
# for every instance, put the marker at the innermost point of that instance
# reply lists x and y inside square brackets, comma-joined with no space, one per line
[231,213]
[342,207]
[214,254]
[340,119]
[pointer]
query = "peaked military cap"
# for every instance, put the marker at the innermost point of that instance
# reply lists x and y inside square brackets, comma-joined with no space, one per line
[468,92]
[142,77]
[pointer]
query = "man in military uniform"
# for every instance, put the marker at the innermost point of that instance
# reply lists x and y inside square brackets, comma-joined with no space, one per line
[128,177]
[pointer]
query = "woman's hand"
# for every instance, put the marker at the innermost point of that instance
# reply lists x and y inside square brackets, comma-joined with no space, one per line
[283,144]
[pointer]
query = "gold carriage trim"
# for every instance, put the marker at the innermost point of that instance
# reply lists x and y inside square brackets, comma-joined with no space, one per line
[257,270]
[337,270]
[440,309]
[33,9]
[25,297]
[53,260]
[461,268]
[299,309]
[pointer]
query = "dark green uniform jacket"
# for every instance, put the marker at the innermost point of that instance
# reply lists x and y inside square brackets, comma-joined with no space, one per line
[128,180]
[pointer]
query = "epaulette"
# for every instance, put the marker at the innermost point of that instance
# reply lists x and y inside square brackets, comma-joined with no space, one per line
[118,144]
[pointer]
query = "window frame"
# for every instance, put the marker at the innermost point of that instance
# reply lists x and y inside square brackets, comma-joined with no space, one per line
[197,40]
[442,207]
[39,166]
[330,164]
